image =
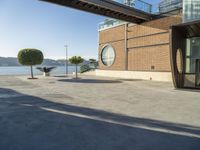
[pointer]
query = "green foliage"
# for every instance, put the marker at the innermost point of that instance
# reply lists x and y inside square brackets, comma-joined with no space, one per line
[93,63]
[92,60]
[29,57]
[76,60]
[84,68]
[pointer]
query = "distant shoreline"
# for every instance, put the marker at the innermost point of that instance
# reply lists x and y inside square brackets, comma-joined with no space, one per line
[25,70]
[13,62]
[42,66]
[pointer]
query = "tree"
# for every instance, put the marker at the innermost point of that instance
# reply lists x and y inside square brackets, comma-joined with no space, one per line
[85,68]
[30,57]
[93,63]
[76,60]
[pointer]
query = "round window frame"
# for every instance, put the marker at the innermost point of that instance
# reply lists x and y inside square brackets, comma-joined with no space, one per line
[102,53]
[179,68]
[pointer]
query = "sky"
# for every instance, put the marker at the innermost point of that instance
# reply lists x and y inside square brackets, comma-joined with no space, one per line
[48,27]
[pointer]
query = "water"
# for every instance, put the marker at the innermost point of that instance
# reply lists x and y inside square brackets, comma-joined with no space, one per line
[24,70]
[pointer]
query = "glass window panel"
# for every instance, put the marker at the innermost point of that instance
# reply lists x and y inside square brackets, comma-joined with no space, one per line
[108,55]
[188,47]
[191,10]
[187,65]
[195,48]
[190,65]
[192,54]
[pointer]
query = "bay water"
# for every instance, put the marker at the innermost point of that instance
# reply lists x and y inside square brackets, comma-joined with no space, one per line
[25,70]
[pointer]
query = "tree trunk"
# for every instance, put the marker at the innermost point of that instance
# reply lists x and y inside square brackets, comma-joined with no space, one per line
[31,71]
[76,72]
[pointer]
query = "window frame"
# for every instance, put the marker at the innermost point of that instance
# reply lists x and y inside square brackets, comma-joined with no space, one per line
[102,49]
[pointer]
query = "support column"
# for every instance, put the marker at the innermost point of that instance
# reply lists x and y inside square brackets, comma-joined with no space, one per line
[177,43]
[125,47]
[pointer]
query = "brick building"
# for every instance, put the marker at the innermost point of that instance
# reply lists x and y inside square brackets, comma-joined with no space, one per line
[141,50]
[149,50]
[139,44]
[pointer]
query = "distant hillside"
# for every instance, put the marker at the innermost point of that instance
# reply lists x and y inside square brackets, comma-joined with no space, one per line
[12,61]
[51,62]
[9,61]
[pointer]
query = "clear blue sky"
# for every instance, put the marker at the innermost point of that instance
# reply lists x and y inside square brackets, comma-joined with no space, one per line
[48,27]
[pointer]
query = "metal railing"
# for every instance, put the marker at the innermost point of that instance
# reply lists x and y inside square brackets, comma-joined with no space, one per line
[137,4]
[169,5]
[108,23]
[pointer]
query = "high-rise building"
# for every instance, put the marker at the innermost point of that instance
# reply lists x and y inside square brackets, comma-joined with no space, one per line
[191,10]
[169,5]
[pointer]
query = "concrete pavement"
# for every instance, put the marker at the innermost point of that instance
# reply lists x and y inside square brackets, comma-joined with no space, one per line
[97,113]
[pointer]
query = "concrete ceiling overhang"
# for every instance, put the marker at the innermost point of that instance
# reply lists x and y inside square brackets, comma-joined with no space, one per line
[189,29]
[106,8]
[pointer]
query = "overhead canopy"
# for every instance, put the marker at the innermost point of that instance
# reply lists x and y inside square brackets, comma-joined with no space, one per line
[107,8]
[189,29]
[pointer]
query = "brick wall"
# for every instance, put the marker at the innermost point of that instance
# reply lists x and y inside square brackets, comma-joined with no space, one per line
[114,37]
[147,45]
[155,58]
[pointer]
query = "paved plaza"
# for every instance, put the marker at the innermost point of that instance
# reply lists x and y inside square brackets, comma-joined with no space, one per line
[97,113]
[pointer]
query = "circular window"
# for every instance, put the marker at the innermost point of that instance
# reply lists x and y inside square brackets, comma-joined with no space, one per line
[179,61]
[108,55]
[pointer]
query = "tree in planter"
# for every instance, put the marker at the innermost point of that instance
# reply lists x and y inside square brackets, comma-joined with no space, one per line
[76,60]
[30,57]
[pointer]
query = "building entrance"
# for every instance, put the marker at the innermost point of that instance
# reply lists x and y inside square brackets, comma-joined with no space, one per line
[185,37]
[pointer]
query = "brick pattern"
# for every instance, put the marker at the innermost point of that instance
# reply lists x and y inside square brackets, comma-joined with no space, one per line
[142,30]
[148,45]
[113,34]
[164,23]
[155,58]
[116,38]
[149,40]
[119,63]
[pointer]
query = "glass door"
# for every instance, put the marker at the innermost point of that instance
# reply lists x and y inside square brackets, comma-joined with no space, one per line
[198,73]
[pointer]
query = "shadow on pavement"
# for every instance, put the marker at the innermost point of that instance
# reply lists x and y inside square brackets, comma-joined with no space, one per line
[189,90]
[131,80]
[89,81]
[30,123]
[60,76]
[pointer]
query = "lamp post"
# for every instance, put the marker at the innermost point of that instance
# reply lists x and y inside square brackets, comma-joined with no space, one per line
[66,62]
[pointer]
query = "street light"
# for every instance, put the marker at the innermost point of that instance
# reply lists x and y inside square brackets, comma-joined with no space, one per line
[66,62]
